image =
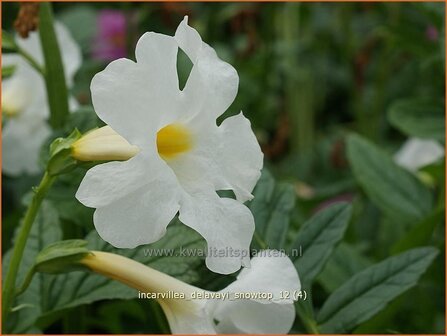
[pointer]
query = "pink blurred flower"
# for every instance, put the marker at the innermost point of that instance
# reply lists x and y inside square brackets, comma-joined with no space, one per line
[432,33]
[110,41]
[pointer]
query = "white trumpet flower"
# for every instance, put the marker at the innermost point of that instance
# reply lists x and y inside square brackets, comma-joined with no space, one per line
[24,102]
[183,157]
[416,153]
[270,284]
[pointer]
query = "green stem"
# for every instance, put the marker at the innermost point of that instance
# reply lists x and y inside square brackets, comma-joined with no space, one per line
[309,323]
[31,60]
[9,43]
[260,241]
[9,290]
[311,326]
[54,70]
[28,278]
[305,311]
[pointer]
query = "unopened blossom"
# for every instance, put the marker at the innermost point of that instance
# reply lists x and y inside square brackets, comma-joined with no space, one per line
[25,104]
[103,144]
[260,301]
[183,156]
[416,153]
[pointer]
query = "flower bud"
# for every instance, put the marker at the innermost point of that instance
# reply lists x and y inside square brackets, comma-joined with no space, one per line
[103,144]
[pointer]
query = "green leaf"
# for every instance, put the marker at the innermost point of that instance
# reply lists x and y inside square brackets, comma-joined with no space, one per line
[44,231]
[317,239]
[8,43]
[423,118]
[393,189]
[419,234]
[54,70]
[8,71]
[62,195]
[82,287]
[342,265]
[271,208]
[369,291]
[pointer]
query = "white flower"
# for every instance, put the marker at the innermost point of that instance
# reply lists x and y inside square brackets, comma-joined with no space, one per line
[24,102]
[183,158]
[416,153]
[268,311]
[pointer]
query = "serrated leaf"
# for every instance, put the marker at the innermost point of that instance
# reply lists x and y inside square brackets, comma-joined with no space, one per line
[77,288]
[45,230]
[317,239]
[394,190]
[423,118]
[271,208]
[369,291]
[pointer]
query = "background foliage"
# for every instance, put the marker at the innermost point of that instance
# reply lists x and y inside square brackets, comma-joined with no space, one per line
[332,91]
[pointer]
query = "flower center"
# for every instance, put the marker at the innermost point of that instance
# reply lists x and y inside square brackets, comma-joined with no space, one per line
[173,140]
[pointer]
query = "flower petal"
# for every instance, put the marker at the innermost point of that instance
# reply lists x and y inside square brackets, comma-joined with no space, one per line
[188,317]
[20,153]
[224,157]
[239,156]
[137,99]
[24,91]
[226,225]
[212,84]
[272,273]
[113,181]
[251,317]
[139,218]
[416,153]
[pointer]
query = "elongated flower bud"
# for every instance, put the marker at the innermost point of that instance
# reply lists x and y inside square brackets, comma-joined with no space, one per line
[103,144]
[183,314]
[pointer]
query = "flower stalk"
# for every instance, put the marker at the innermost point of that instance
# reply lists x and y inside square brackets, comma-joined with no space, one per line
[9,286]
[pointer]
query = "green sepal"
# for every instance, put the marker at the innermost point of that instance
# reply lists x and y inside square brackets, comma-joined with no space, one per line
[62,256]
[60,160]
[59,257]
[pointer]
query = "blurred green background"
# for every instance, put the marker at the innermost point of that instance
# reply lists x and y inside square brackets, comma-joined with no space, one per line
[310,73]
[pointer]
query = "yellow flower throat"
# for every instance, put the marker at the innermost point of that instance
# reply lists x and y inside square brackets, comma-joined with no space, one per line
[173,140]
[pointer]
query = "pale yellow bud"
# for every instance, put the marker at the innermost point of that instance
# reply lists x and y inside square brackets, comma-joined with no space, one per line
[148,280]
[103,144]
